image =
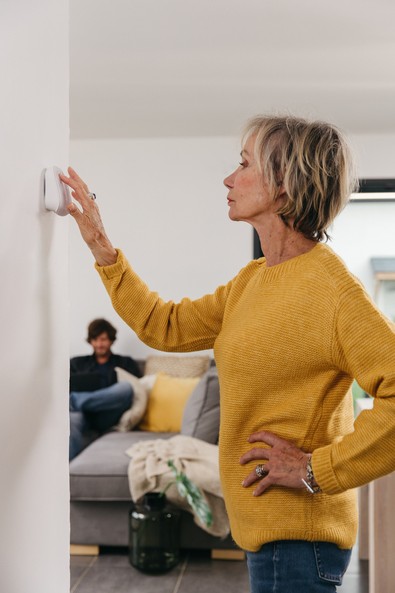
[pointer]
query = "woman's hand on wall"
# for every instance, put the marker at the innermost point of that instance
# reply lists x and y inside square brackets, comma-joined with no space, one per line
[285,464]
[89,220]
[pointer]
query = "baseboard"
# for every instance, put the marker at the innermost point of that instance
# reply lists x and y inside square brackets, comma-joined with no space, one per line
[80,550]
[218,554]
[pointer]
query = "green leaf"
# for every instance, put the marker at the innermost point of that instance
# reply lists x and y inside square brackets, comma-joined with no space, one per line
[193,495]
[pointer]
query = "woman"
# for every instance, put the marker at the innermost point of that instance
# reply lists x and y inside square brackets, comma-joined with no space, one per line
[289,332]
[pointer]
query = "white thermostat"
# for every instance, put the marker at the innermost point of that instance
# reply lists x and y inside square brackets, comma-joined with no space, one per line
[56,193]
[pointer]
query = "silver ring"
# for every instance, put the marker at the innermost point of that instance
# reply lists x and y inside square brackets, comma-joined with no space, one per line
[260,471]
[91,195]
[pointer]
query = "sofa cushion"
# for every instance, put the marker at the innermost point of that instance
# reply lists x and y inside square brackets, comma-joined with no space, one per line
[201,413]
[100,471]
[166,403]
[141,389]
[177,366]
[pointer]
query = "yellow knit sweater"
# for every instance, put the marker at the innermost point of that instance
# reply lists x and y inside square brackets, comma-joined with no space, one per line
[288,340]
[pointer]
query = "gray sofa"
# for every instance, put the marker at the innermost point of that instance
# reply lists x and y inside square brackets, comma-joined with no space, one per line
[100,498]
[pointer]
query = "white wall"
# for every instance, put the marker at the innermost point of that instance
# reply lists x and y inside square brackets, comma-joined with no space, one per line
[34,534]
[164,204]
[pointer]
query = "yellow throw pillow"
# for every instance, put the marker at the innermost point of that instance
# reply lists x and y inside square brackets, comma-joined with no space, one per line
[166,403]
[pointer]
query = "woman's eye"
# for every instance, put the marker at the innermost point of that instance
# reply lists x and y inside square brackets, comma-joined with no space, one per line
[243,164]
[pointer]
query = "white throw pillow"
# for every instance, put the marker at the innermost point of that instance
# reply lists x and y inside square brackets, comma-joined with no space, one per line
[141,388]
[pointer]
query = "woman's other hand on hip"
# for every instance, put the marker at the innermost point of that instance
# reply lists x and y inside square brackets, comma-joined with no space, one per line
[284,464]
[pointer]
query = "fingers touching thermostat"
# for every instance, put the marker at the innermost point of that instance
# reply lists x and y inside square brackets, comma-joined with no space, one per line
[56,193]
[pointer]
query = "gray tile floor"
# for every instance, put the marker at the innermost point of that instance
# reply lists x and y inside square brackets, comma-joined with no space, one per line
[197,573]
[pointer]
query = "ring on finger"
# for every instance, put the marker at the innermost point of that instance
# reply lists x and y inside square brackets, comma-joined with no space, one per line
[91,195]
[261,471]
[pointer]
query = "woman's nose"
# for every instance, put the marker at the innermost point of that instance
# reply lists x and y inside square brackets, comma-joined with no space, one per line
[229,181]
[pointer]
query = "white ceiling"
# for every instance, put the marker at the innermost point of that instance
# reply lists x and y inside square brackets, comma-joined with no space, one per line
[145,68]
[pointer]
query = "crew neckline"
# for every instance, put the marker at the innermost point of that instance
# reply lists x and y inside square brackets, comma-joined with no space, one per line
[289,264]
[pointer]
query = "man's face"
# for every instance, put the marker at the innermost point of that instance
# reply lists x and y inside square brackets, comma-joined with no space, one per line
[101,345]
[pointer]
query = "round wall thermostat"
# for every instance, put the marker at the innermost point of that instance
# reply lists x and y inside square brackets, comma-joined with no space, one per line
[56,193]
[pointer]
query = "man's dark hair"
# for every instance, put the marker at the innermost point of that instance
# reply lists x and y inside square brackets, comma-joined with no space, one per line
[101,326]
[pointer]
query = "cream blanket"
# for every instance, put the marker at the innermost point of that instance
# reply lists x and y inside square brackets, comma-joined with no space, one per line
[148,471]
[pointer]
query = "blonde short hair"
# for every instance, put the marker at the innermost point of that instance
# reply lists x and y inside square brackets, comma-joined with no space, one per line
[312,162]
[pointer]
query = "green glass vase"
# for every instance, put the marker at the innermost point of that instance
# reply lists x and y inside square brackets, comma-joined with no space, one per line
[154,535]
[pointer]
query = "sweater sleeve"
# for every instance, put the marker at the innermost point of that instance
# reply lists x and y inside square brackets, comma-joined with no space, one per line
[364,348]
[173,327]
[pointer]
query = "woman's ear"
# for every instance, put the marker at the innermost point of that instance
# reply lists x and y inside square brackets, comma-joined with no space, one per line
[281,194]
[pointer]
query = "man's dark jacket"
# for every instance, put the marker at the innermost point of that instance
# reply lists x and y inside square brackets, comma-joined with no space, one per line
[85,374]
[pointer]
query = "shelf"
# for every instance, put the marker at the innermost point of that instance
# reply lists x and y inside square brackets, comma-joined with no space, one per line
[384,271]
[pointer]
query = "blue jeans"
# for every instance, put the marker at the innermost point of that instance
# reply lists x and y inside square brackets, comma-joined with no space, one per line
[78,434]
[296,566]
[98,410]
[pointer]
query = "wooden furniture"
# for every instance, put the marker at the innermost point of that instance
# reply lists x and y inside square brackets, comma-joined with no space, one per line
[382,277]
[384,271]
[377,526]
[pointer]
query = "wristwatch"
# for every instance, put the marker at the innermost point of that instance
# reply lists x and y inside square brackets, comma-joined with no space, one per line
[309,482]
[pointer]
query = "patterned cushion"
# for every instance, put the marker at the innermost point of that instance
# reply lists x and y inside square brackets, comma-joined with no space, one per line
[177,366]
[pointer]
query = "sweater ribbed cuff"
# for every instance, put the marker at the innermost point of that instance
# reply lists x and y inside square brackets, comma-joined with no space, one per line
[113,270]
[324,475]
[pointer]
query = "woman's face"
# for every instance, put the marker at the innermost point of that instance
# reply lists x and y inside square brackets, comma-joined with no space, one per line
[248,198]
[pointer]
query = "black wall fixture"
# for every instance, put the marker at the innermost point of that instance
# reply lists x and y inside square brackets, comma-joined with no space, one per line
[375,190]
[257,246]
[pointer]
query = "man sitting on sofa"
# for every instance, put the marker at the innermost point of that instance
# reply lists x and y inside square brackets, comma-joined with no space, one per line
[97,400]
